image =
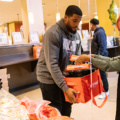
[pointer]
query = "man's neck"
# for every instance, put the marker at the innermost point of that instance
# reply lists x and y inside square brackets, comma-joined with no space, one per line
[97,26]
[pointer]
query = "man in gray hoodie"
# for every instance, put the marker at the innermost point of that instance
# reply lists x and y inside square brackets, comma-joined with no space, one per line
[59,42]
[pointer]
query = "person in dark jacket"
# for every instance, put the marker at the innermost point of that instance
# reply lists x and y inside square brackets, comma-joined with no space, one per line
[98,46]
[59,42]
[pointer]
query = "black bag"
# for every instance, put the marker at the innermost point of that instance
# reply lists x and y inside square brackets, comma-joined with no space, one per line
[78,73]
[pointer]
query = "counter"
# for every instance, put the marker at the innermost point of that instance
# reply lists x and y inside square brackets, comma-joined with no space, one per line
[112,51]
[20,64]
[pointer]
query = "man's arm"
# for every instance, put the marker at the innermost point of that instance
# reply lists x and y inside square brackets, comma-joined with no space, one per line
[103,63]
[102,57]
[51,52]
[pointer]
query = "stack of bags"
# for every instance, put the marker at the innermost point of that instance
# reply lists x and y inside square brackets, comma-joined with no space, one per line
[41,110]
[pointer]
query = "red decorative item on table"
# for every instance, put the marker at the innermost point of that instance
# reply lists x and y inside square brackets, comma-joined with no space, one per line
[36,51]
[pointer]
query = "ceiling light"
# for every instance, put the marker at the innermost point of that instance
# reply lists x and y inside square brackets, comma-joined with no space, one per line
[95,10]
[81,22]
[96,17]
[83,15]
[79,7]
[57,16]
[7,0]
[30,17]
[95,13]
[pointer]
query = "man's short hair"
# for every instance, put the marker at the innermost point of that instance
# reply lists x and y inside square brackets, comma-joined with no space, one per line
[73,9]
[94,21]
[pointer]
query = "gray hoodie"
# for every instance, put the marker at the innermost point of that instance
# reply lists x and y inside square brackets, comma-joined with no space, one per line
[58,45]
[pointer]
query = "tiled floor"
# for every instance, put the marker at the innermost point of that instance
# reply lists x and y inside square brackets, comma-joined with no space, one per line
[83,111]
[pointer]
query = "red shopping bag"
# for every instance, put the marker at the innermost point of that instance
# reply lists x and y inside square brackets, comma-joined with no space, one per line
[36,51]
[84,86]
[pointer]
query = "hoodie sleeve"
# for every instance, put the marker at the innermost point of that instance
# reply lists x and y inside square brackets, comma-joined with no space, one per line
[102,57]
[106,64]
[51,52]
[101,42]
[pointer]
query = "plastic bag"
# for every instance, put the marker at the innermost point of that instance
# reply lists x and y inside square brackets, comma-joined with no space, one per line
[10,108]
[39,110]
[60,118]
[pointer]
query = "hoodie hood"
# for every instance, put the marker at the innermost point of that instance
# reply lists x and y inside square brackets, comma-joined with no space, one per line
[63,27]
[99,29]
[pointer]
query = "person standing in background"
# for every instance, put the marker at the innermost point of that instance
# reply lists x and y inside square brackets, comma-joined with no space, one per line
[59,42]
[99,47]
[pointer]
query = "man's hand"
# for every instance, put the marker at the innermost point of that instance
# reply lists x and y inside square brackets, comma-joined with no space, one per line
[82,58]
[71,93]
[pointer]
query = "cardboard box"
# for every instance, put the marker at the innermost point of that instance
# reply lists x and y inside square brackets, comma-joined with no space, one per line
[6,88]
[3,71]
[4,79]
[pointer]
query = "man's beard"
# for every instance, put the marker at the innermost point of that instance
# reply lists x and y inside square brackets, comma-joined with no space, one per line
[70,30]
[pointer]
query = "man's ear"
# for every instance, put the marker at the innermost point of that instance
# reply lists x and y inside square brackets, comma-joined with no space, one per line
[65,17]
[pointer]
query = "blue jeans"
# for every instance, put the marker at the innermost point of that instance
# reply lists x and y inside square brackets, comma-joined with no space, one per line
[104,80]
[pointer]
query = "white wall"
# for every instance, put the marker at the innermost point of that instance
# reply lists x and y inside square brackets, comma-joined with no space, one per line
[36,7]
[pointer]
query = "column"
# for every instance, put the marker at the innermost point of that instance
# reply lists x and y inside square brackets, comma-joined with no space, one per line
[34,6]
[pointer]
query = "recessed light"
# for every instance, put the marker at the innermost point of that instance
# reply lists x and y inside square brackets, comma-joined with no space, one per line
[48,14]
[43,4]
[95,13]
